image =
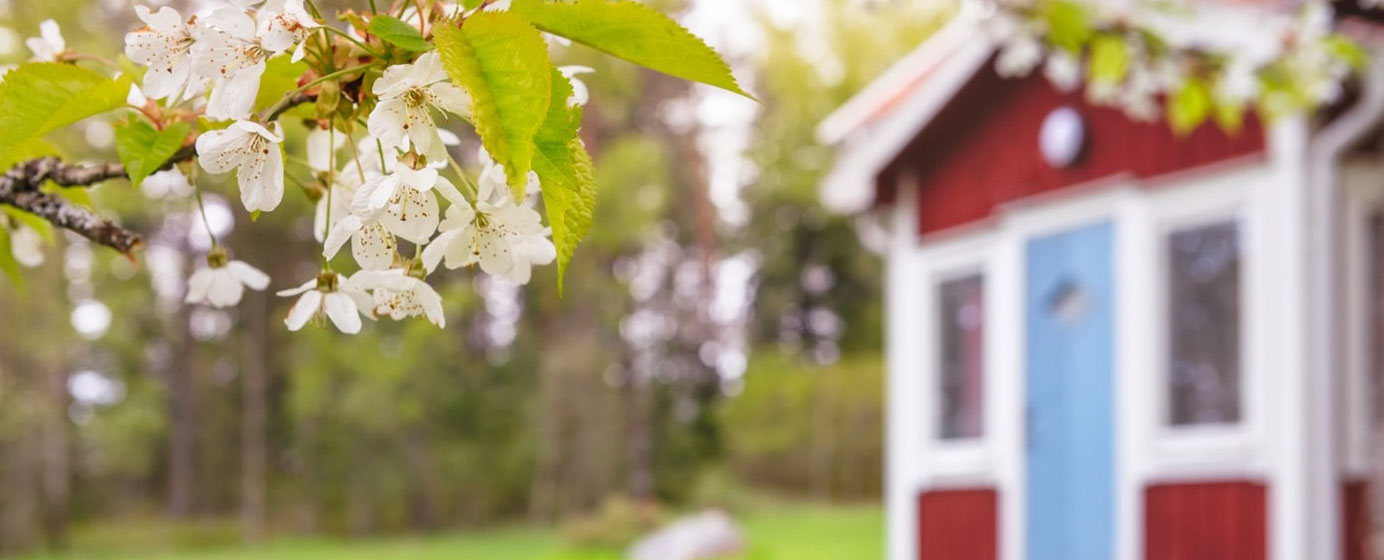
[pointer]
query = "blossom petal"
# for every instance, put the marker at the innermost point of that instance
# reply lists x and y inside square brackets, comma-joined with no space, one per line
[225,289]
[450,98]
[374,247]
[438,248]
[341,231]
[262,181]
[412,215]
[252,277]
[387,123]
[219,151]
[234,97]
[303,310]
[197,285]
[342,311]
[301,288]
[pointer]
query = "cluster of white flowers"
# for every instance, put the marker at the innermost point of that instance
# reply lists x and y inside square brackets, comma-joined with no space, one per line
[1298,41]
[387,190]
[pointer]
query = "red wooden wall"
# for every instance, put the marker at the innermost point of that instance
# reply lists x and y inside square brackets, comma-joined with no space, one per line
[1206,521]
[981,151]
[1355,520]
[958,524]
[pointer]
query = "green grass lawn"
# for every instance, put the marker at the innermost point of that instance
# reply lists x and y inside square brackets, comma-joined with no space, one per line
[780,533]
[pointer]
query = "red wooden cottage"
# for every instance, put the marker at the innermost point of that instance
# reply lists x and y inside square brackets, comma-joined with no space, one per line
[1107,341]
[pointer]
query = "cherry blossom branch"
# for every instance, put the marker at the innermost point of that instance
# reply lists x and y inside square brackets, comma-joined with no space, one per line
[19,187]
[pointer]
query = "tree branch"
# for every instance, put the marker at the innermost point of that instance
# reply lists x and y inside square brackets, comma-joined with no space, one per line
[19,188]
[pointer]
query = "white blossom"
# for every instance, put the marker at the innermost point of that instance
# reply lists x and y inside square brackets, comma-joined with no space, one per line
[495,182]
[164,44]
[401,203]
[49,45]
[1063,70]
[408,93]
[227,51]
[403,200]
[221,283]
[580,94]
[372,244]
[253,151]
[282,26]
[504,238]
[1238,83]
[326,297]
[1019,56]
[402,296]
[342,299]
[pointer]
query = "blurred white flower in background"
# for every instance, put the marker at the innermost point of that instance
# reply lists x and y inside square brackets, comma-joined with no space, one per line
[91,318]
[27,246]
[49,45]
[580,93]
[222,282]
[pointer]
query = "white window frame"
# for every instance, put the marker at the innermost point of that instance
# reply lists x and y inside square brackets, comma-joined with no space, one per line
[1211,450]
[960,462]
[1364,200]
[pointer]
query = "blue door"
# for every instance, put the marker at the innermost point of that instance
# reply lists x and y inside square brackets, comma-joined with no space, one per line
[1070,365]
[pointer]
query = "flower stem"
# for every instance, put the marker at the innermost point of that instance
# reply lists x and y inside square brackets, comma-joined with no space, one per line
[331,182]
[471,187]
[380,146]
[355,155]
[75,56]
[348,37]
[312,7]
[201,208]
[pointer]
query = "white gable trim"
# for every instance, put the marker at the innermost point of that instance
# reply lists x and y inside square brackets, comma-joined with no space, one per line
[864,152]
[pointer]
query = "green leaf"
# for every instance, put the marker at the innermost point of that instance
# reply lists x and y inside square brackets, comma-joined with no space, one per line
[566,174]
[1230,116]
[33,148]
[502,62]
[8,264]
[1347,51]
[39,225]
[281,76]
[1190,106]
[39,97]
[395,32]
[634,32]
[144,149]
[1109,59]
[1069,24]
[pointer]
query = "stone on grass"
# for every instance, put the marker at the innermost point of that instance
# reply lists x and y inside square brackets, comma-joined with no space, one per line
[707,535]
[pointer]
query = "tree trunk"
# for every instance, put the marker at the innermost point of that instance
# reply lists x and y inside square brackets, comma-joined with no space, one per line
[253,453]
[57,470]
[182,448]
[638,437]
[427,486]
[359,512]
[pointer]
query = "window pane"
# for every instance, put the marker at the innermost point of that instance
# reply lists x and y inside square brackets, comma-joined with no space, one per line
[1204,324]
[962,368]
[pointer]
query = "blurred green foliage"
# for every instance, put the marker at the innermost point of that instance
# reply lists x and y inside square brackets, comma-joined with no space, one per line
[528,406]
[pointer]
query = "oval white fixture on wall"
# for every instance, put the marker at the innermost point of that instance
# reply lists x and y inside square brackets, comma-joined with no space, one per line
[1062,137]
